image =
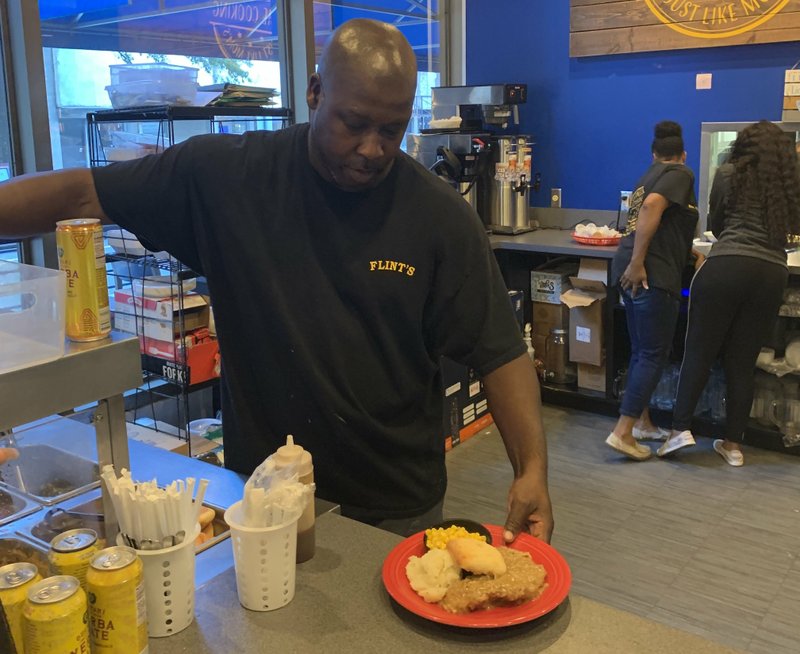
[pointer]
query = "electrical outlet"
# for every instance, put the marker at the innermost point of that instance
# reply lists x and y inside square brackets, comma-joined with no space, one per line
[555,197]
[625,200]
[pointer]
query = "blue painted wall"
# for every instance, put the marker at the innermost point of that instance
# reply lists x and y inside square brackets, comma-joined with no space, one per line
[593,117]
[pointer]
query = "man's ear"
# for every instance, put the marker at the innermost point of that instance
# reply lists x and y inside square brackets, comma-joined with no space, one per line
[314,91]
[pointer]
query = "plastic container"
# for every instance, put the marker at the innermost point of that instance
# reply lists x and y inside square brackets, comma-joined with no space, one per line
[285,456]
[170,74]
[137,85]
[169,586]
[151,93]
[32,318]
[264,560]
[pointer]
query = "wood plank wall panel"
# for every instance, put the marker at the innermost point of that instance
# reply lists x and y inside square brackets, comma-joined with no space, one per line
[603,27]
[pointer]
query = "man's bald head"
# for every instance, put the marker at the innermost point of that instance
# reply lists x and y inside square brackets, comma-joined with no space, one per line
[361,100]
[371,50]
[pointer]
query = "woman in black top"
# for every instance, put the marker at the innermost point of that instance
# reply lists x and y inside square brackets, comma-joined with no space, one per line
[735,296]
[648,267]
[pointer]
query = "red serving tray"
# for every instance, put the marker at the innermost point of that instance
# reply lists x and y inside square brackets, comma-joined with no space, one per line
[590,240]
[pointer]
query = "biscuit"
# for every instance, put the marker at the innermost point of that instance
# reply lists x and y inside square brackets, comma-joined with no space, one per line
[477,557]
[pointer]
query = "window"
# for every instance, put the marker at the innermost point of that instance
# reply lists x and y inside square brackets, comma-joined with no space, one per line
[419,20]
[9,251]
[226,42]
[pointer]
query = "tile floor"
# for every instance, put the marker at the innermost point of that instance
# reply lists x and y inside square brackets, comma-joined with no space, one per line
[689,541]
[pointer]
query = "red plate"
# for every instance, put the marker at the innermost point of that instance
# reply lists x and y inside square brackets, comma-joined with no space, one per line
[559,579]
[591,240]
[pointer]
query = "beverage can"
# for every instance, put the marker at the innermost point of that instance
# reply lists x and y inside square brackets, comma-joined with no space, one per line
[72,551]
[15,580]
[55,618]
[117,614]
[82,257]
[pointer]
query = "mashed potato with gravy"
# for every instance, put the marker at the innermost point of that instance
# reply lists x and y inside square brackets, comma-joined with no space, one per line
[431,574]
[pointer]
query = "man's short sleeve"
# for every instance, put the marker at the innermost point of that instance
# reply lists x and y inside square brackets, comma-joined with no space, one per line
[471,320]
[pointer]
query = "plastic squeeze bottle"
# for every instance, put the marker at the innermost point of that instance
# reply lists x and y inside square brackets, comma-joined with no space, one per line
[528,340]
[291,454]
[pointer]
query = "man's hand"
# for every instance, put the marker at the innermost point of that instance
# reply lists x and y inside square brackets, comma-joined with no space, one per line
[529,509]
[635,276]
[8,454]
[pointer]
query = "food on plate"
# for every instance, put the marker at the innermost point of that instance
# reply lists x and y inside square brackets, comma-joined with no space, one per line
[523,581]
[477,557]
[590,230]
[438,537]
[206,516]
[431,574]
[206,520]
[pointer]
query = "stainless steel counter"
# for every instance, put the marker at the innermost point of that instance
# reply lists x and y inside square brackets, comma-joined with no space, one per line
[341,605]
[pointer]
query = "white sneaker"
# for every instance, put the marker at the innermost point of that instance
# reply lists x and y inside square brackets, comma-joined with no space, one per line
[732,457]
[637,452]
[657,434]
[676,442]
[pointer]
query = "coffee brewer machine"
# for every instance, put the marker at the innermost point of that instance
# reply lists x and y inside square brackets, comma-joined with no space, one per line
[492,171]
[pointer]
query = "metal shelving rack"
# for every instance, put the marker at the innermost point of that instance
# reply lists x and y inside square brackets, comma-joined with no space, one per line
[156,128]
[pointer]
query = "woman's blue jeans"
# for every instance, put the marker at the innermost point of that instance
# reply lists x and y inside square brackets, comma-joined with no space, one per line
[651,318]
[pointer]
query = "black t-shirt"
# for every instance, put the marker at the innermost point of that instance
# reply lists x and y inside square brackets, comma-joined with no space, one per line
[671,244]
[332,308]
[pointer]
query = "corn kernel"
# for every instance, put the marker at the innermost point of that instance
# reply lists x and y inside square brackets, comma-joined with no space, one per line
[438,538]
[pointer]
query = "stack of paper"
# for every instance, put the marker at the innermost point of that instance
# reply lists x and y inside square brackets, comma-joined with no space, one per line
[238,95]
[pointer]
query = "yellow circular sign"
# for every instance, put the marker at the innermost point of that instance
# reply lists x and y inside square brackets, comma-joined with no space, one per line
[714,19]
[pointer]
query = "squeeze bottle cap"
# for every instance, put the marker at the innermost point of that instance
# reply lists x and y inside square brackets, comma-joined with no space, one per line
[291,454]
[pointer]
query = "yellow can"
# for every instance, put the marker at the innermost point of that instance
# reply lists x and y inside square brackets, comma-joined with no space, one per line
[15,580]
[72,551]
[117,615]
[82,257]
[55,617]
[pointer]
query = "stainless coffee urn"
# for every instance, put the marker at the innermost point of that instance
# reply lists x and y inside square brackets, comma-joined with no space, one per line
[510,193]
[492,171]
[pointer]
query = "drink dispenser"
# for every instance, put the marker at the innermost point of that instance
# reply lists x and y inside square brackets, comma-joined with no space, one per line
[558,368]
[511,192]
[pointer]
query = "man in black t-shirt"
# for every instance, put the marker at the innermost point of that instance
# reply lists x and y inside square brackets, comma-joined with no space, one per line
[340,271]
[648,267]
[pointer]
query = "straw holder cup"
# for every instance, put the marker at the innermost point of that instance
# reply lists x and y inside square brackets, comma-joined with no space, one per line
[169,586]
[264,558]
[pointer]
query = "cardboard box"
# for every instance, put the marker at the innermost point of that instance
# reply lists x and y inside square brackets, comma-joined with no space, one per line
[466,409]
[125,301]
[548,284]
[160,330]
[546,317]
[173,350]
[202,364]
[592,378]
[586,301]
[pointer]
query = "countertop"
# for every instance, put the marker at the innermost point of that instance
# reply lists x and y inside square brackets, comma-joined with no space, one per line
[550,241]
[340,605]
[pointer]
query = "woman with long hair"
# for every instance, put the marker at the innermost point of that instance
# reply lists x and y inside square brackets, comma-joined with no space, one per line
[753,208]
[648,268]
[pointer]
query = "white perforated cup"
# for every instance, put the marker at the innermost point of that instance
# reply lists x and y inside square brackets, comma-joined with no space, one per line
[264,558]
[169,586]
